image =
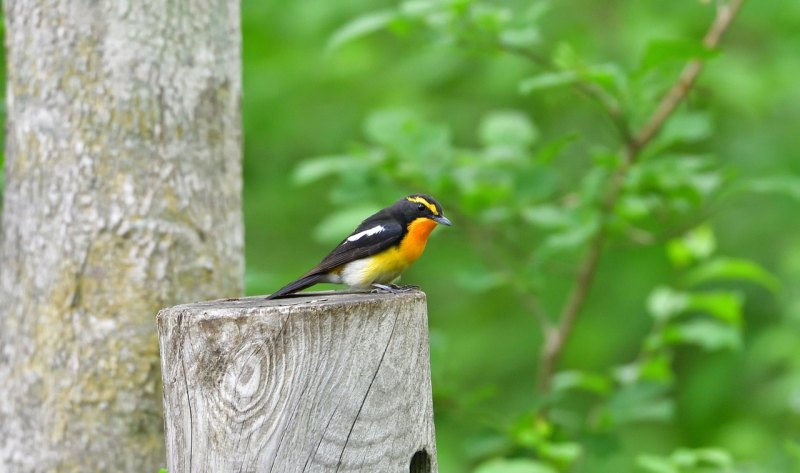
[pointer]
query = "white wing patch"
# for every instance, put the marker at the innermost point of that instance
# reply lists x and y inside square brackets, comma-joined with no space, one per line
[367,232]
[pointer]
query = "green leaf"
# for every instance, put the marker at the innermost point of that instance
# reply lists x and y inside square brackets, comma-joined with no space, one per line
[573,236]
[641,402]
[665,303]
[507,127]
[723,305]
[416,8]
[547,80]
[716,457]
[687,127]
[548,152]
[708,334]
[634,207]
[608,76]
[314,169]
[385,126]
[783,184]
[697,244]
[657,368]
[548,216]
[338,225]
[571,380]
[359,27]
[520,37]
[516,465]
[655,464]
[662,51]
[732,269]
[564,453]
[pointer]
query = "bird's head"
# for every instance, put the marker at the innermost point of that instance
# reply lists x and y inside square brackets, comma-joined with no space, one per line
[418,206]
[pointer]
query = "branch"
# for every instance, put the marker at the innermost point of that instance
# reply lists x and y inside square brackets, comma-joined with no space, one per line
[589,90]
[556,339]
[668,104]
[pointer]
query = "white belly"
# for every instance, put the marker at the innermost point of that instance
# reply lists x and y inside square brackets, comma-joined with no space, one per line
[361,273]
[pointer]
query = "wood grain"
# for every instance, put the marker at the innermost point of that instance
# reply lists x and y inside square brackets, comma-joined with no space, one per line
[316,383]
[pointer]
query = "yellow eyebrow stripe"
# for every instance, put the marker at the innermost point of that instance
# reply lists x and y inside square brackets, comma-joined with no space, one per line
[421,200]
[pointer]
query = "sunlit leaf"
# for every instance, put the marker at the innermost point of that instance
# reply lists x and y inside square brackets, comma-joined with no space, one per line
[581,380]
[418,7]
[788,185]
[548,216]
[723,305]
[607,76]
[708,334]
[662,51]
[565,56]
[689,458]
[385,126]
[564,453]
[697,244]
[359,27]
[548,80]
[732,269]
[634,207]
[520,37]
[665,303]
[516,465]
[530,430]
[550,150]
[641,402]
[573,236]
[655,464]
[686,127]
[507,127]
[655,368]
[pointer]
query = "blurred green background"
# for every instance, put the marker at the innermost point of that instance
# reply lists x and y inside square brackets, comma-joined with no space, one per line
[302,100]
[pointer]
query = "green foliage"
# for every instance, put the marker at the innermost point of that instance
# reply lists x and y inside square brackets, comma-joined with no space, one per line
[703,460]
[517,116]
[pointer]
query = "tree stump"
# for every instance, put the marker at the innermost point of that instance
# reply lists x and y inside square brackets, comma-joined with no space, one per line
[321,382]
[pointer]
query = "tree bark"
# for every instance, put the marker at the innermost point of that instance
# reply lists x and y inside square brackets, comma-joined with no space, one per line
[122,196]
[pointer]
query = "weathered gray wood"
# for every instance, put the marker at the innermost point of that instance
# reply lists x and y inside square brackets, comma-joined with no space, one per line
[122,196]
[316,383]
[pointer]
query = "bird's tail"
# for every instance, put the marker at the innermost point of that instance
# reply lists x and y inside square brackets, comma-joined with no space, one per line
[298,285]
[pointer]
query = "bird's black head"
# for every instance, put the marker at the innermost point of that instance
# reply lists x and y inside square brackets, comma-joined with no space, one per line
[420,206]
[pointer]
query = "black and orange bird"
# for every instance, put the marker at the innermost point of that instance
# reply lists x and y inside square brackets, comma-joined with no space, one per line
[379,250]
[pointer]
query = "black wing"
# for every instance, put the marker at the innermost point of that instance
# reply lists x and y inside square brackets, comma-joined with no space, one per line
[366,245]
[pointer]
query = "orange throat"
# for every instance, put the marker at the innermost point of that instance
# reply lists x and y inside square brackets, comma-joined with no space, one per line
[414,243]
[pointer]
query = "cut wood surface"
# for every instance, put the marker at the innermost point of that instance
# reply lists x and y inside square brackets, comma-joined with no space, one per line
[322,382]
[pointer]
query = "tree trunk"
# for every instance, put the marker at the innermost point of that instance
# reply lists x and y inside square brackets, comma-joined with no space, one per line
[122,196]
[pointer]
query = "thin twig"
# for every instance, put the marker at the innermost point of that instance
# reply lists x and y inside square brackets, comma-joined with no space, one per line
[557,337]
[589,90]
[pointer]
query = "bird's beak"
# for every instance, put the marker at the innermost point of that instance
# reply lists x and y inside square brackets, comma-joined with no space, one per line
[443,220]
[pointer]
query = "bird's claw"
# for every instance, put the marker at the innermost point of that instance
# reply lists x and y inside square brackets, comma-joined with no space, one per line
[392,288]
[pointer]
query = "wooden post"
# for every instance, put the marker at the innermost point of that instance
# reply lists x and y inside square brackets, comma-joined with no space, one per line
[317,383]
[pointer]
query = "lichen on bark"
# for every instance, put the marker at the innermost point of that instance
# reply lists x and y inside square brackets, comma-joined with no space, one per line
[122,196]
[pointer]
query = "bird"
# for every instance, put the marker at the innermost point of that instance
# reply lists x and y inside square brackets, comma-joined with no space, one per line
[377,252]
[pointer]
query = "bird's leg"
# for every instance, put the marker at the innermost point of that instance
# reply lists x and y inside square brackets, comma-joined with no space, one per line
[392,288]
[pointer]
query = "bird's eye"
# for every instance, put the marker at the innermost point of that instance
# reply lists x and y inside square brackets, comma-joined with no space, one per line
[421,207]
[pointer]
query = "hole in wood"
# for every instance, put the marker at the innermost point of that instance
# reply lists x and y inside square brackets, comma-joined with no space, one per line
[420,462]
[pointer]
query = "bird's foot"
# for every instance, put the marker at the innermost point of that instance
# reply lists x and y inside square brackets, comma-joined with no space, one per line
[393,288]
